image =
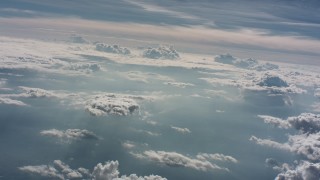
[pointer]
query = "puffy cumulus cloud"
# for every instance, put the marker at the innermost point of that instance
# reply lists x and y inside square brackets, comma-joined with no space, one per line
[245,63]
[112,104]
[181,130]
[107,171]
[305,143]
[202,162]
[78,39]
[162,52]
[271,79]
[116,49]
[306,122]
[8,101]
[303,171]
[35,92]
[70,134]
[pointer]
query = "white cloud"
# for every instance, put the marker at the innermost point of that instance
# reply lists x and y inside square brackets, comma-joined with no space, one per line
[181,130]
[35,92]
[270,143]
[306,122]
[245,63]
[270,82]
[58,58]
[217,157]
[111,104]
[70,134]
[162,52]
[179,84]
[305,143]
[116,49]
[42,170]
[128,145]
[8,101]
[107,171]
[303,171]
[150,133]
[201,163]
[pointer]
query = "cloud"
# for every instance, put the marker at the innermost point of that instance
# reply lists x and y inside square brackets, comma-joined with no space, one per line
[70,134]
[305,143]
[245,63]
[128,145]
[272,80]
[150,133]
[107,171]
[162,52]
[78,39]
[85,67]
[35,92]
[191,36]
[58,170]
[145,77]
[304,170]
[179,84]
[111,104]
[305,122]
[217,157]
[116,49]
[8,101]
[270,143]
[42,170]
[203,162]
[181,130]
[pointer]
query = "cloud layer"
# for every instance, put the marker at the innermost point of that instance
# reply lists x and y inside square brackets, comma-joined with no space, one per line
[202,162]
[107,171]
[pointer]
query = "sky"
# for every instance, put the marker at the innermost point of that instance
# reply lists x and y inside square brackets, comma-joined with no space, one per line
[154,90]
